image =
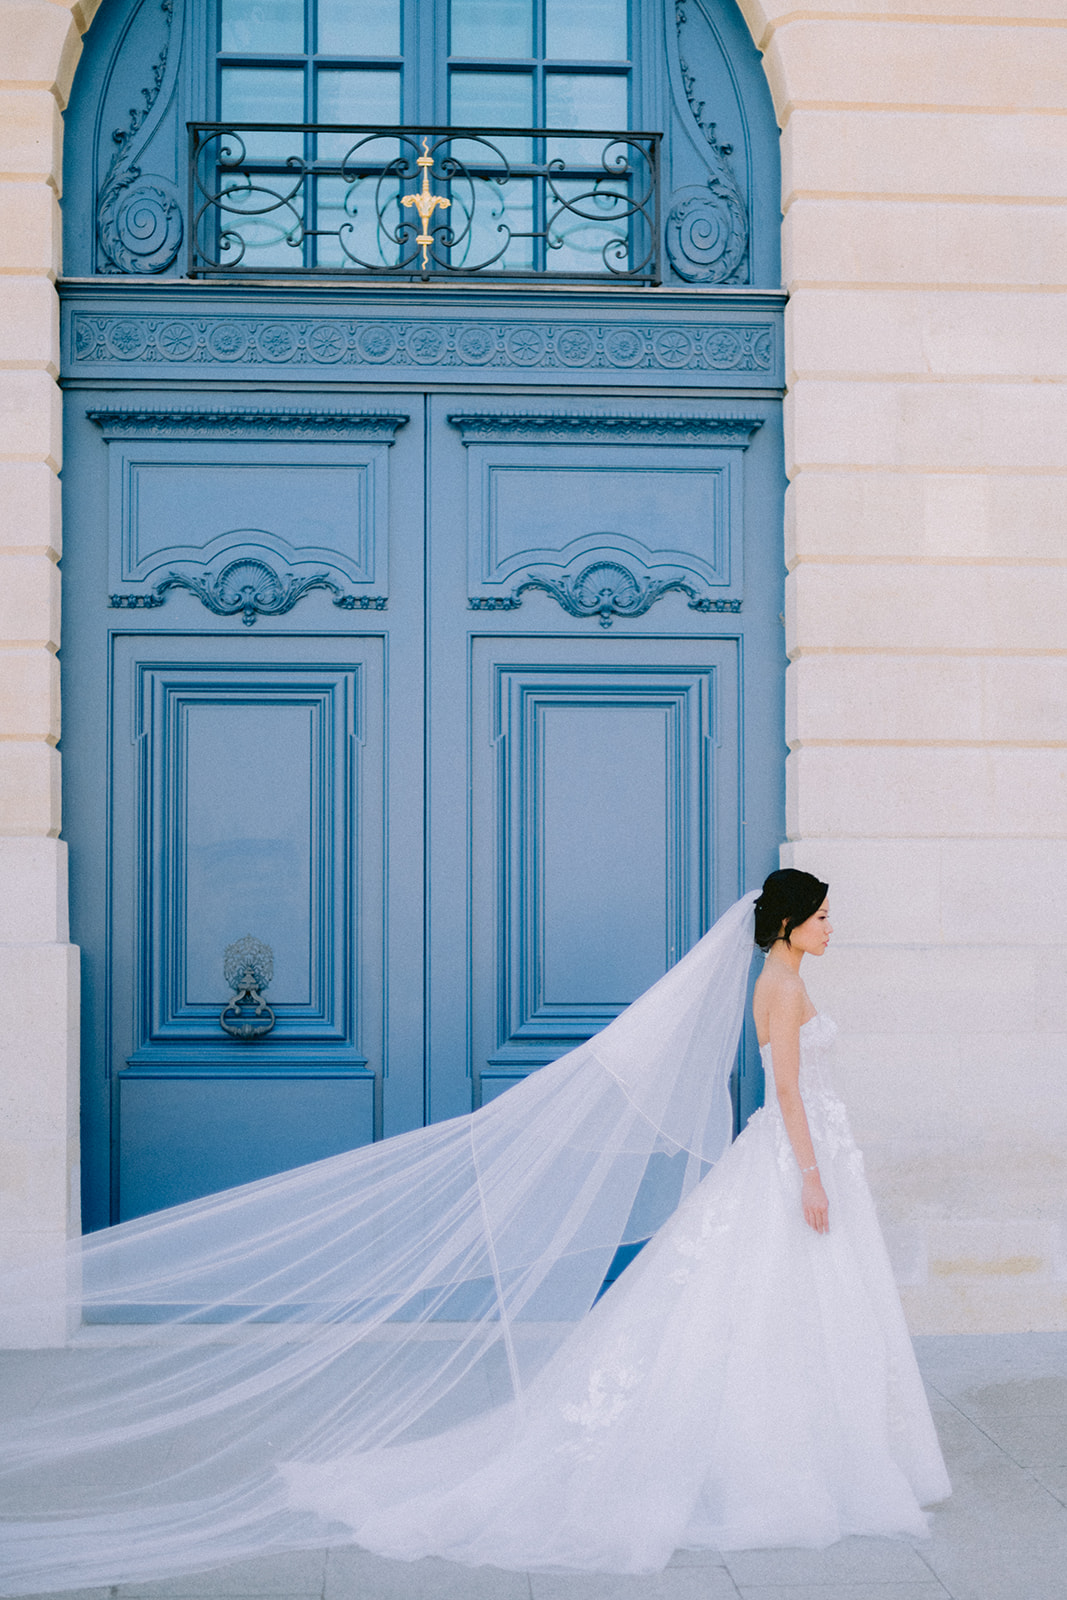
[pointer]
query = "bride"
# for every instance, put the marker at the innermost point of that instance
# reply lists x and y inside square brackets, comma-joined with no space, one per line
[395,1347]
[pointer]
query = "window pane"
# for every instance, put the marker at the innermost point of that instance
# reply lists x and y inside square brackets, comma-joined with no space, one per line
[494,100]
[359,27]
[262,25]
[583,100]
[493,28]
[586,30]
[264,94]
[362,95]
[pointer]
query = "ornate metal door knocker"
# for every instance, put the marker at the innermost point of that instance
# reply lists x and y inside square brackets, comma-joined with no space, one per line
[248,967]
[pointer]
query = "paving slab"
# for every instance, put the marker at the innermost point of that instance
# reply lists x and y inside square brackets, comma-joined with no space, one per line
[1000,1404]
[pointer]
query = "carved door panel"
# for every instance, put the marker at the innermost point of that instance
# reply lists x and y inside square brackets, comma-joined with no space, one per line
[244,728]
[603,712]
[471,713]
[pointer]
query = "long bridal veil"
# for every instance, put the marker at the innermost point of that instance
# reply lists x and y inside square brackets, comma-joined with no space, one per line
[364,1301]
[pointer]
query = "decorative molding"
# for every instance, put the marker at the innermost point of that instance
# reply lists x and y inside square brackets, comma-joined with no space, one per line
[139,221]
[605,589]
[376,426]
[707,232]
[617,426]
[250,587]
[344,343]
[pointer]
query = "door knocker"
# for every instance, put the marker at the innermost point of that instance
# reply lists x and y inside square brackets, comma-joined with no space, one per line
[248,967]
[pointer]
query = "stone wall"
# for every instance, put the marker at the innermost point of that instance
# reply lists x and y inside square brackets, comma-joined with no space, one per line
[924,239]
[39,48]
[925,203]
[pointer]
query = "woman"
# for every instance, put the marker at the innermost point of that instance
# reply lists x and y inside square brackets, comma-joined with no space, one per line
[303,1347]
[748,1381]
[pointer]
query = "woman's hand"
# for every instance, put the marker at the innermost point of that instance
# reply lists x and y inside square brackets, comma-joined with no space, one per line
[815,1204]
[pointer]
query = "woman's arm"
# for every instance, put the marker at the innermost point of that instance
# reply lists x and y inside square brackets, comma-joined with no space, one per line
[786,1011]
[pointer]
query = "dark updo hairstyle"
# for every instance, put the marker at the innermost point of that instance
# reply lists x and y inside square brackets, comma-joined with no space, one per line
[788,897]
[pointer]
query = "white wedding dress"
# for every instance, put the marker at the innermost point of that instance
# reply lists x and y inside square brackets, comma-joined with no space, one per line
[746,1382]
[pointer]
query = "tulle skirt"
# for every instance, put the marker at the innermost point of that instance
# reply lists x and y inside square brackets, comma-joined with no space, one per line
[745,1383]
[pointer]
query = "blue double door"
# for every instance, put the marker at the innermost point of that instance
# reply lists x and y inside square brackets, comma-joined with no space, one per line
[467,707]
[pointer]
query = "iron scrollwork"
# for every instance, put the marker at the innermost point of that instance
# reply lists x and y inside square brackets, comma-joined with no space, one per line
[249,588]
[606,590]
[248,967]
[271,197]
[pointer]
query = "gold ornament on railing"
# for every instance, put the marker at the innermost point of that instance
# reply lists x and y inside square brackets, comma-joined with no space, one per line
[425,202]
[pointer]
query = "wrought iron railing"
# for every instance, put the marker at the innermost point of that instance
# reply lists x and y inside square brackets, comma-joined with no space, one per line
[271,199]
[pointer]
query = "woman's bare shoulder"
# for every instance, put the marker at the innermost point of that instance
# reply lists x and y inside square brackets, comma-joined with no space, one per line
[779,996]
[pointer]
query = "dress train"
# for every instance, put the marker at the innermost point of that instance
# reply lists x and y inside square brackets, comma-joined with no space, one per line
[745,1383]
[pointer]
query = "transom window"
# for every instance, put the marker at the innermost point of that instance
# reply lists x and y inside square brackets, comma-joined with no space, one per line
[559,197]
[494,63]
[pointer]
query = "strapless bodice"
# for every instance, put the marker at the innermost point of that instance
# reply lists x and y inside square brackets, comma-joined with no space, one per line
[817,1036]
[827,1117]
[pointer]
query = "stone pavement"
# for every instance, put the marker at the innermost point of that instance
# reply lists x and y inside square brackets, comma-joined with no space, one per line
[1000,1402]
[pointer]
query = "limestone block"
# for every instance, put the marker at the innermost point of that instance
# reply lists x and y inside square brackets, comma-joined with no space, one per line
[990,886]
[39,1319]
[29,787]
[923,333]
[33,1186]
[30,228]
[83,11]
[841,240]
[31,417]
[29,599]
[1052,958]
[40,46]
[944,65]
[923,154]
[893,791]
[1002,699]
[838,605]
[933,516]
[766,17]
[963,991]
[1001,1305]
[882,891]
[33,891]
[29,692]
[38,1043]
[931,426]
[29,507]
[991,1248]
[897,1085]
[31,135]
[29,323]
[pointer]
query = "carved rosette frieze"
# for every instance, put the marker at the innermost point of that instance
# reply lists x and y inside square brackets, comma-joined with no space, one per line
[139,223]
[345,343]
[248,588]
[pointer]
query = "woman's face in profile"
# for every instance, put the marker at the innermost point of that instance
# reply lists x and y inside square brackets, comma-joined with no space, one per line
[812,937]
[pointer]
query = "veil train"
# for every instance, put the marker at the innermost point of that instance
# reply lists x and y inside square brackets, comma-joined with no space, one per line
[358,1303]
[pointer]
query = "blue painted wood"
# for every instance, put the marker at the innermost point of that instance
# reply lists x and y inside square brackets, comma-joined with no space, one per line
[433,638]
[618,785]
[183,1137]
